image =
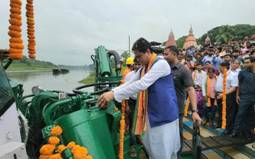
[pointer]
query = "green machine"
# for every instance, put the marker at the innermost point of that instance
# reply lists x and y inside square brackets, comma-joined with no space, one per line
[77,113]
[107,67]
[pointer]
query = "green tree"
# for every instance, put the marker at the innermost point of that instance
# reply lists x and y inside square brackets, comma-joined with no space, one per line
[225,33]
[125,54]
[180,41]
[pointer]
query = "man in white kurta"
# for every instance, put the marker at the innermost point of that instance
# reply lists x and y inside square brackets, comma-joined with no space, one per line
[161,139]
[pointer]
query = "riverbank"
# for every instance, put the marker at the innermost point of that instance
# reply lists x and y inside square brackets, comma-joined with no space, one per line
[28,68]
[28,71]
[49,81]
[89,79]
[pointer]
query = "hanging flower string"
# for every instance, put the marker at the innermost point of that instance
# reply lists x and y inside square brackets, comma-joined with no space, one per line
[122,130]
[186,108]
[53,149]
[208,92]
[30,28]
[15,31]
[224,99]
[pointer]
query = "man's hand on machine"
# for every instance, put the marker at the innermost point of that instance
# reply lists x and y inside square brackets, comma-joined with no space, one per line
[104,98]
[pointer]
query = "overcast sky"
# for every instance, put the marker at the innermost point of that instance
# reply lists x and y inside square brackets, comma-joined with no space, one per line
[67,31]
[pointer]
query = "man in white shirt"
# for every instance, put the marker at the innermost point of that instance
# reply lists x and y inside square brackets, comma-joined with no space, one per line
[231,85]
[209,56]
[235,67]
[233,106]
[160,115]
[199,76]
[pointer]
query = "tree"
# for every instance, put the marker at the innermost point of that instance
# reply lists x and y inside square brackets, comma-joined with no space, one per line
[225,33]
[180,41]
[125,55]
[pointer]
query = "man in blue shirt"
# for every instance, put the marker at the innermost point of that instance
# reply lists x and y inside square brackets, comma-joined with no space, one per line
[246,95]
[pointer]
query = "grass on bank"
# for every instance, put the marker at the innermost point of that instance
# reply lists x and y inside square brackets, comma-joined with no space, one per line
[23,67]
[89,79]
[29,65]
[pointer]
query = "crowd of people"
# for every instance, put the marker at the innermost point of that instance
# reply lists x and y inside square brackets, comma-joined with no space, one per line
[212,83]
[207,66]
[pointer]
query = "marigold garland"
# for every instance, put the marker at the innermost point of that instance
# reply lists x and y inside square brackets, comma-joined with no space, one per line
[208,92]
[30,28]
[186,108]
[80,152]
[15,32]
[122,130]
[53,149]
[224,98]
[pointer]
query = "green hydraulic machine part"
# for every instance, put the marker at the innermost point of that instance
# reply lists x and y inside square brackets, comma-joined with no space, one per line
[77,113]
[107,66]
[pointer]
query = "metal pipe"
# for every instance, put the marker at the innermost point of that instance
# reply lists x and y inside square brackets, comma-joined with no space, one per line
[48,109]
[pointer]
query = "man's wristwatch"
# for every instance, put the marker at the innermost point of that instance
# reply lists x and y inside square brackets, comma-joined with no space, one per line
[194,110]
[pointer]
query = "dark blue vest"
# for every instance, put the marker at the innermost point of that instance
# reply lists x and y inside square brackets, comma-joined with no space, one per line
[162,101]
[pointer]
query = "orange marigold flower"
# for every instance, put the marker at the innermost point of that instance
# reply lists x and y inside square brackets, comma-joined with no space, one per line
[71,144]
[47,149]
[56,131]
[84,150]
[77,154]
[53,140]
[61,148]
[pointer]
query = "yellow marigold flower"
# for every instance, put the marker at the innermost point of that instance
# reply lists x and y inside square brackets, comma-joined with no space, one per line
[71,144]
[77,154]
[56,131]
[75,149]
[53,140]
[84,150]
[61,148]
[47,149]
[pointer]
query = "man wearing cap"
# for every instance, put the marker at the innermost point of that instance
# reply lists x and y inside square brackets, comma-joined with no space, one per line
[129,68]
[156,111]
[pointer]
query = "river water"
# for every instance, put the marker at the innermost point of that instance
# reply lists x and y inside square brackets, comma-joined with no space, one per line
[48,81]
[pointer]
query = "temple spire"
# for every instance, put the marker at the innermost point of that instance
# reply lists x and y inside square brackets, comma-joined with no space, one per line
[190,40]
[171,40]
[190,30]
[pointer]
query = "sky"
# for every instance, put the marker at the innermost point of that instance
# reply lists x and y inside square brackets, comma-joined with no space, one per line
[68,31]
